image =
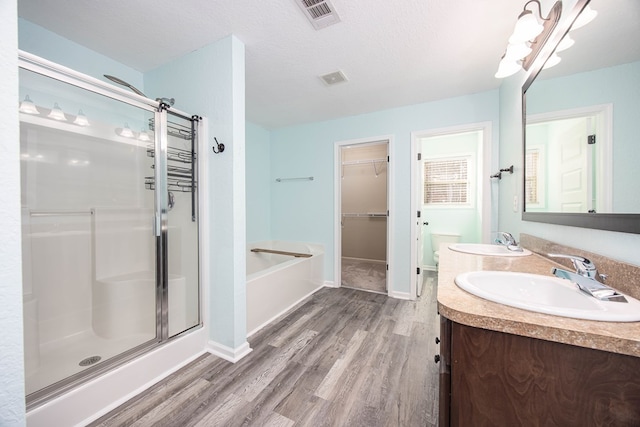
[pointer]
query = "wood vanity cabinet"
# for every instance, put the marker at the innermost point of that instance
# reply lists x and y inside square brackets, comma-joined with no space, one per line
[490,378]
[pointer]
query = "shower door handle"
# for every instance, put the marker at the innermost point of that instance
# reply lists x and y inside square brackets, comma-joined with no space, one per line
[157,224]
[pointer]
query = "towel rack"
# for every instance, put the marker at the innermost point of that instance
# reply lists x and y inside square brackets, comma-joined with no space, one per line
[303,178]
[273,251]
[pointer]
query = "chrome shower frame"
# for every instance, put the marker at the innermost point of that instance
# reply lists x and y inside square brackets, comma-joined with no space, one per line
[159,108]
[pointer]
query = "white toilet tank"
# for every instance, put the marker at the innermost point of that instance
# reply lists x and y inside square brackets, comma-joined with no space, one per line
[438,238]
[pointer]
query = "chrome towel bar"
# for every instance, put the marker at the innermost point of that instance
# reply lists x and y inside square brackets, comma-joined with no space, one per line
[273,251]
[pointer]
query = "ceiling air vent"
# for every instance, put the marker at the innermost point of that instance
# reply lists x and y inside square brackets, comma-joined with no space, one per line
[320,13]
[334,78]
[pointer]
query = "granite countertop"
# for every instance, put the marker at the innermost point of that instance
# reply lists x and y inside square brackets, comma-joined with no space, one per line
[462,307]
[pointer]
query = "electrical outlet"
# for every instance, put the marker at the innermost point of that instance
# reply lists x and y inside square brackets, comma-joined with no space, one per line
[515,204]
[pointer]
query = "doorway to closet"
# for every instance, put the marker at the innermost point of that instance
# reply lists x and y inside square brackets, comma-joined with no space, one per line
[364,216]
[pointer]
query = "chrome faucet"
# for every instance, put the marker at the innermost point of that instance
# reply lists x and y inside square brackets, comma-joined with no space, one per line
[586,278]
[507,239]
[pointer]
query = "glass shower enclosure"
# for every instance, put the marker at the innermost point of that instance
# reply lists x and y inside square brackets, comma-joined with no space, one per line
[109,226]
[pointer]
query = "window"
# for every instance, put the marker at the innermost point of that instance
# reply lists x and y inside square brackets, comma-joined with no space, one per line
[446,181]
[531,167]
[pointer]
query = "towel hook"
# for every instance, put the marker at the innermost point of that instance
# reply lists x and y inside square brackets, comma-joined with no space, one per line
[220,147]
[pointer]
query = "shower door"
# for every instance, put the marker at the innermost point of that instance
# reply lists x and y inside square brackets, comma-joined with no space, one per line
[97,284]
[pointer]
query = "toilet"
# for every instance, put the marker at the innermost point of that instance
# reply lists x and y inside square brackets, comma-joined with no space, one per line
[439,238]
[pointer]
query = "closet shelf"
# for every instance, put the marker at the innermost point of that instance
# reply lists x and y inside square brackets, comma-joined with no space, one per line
[365,215]
[363,162]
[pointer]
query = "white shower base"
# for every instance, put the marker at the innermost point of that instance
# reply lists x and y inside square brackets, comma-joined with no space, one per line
[59,360]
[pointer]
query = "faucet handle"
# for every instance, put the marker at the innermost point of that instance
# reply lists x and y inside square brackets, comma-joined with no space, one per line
[583,266]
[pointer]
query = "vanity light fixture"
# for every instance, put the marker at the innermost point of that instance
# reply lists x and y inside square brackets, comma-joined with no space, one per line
[81,119]
[27,106]
[530,32]
[57,113]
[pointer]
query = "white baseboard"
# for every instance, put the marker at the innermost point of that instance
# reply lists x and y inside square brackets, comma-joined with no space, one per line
[330,284]
[400,295]
[227,353]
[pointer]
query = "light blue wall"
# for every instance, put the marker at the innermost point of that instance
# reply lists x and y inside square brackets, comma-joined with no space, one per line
[304,210]
[210,82]
[619,86]
[620,246]
[12,406]
[258,183]
[41,42]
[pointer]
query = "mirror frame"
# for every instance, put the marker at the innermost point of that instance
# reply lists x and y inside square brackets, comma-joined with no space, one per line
[626,223]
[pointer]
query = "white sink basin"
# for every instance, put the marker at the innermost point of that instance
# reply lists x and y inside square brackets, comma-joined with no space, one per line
[546,294]
[486,249]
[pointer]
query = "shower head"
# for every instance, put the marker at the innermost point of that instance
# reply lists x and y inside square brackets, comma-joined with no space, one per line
[114,79]
[125,84]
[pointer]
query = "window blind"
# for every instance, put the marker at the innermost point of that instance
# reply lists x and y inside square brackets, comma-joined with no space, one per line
[532,163]
[446,181]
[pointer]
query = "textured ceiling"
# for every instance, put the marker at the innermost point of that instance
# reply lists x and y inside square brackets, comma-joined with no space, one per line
[394,53]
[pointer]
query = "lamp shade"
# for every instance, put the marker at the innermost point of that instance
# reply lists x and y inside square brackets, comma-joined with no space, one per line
[144,136]
[27,106]
[587,15]
[125,131]
[527,28]
[81,119]
[57,113]
[507,68]
[565,44]
[517,51]
[552,61]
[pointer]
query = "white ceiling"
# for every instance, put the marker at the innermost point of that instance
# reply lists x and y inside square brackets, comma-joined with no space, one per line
[394,53]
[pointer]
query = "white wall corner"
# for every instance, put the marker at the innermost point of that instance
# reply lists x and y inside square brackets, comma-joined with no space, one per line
[232,355]
[330,284]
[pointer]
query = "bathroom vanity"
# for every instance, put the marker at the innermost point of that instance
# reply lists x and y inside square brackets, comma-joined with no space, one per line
[501,365]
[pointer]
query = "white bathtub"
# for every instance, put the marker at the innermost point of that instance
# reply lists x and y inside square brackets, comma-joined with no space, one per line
[276,283]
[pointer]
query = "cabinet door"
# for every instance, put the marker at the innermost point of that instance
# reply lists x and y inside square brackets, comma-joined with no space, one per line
[499,379]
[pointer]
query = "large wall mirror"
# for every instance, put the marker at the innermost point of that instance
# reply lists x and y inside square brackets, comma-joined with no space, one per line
[581,118]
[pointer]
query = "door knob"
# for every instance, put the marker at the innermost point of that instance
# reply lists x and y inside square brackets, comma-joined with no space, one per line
[425,223]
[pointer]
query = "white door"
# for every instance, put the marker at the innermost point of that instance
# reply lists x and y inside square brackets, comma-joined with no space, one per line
[421,222]
[575,169]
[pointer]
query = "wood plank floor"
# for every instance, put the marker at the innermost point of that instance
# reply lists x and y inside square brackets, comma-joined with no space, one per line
[342,358]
